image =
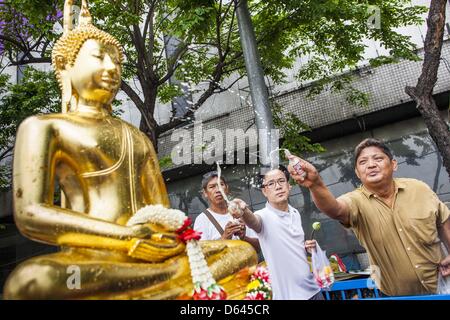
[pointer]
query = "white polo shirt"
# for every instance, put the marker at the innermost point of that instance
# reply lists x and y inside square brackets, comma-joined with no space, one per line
[282,243]
[209,231]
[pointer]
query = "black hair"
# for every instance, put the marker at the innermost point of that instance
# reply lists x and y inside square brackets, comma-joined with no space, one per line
[279,167]
[371,142]
[207,177]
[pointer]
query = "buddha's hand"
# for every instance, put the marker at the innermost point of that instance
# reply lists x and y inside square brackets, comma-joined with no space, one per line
[153,243]
[154,251]
[153,233]
[140,231]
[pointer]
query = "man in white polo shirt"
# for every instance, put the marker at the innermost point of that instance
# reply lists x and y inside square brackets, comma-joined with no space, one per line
[282,240]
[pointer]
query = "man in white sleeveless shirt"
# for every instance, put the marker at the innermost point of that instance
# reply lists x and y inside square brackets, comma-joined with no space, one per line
[282,240]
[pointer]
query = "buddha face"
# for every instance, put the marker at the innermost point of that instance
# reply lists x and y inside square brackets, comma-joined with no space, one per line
[95,75]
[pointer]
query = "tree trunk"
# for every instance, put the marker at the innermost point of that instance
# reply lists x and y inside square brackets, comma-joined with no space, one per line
[422,92]
[150,131]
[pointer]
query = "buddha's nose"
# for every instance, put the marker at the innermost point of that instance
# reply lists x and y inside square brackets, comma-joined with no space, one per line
[108,63]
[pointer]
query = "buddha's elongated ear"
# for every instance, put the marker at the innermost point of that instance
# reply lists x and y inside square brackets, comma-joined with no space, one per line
[64,80]
[66,94]
[60,63]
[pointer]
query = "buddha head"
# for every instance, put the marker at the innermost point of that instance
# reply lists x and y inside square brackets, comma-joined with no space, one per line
[87,62]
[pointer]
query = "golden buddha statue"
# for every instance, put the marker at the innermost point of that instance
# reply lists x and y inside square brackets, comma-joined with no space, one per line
[107,170]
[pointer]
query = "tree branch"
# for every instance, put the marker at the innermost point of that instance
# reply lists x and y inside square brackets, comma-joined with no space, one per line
[5,153]
[227,47]
[177,121]
[148,19]
[218,24]
[16,43]
[136,100]
[230,85]
[38,41]
[172,65]
[148,27]
[31,60]
[164,19]
[139,44]
[432,49]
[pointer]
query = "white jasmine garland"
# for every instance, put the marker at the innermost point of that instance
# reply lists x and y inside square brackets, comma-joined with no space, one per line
[173,220]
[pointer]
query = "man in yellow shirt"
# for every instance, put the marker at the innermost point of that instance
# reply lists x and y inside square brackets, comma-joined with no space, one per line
[400,221]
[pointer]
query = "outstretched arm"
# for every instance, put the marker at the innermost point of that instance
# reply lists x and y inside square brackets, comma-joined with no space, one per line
[321,195]
[252,220]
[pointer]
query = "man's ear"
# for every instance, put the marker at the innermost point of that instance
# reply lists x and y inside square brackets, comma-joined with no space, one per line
[263,190]
[394,164]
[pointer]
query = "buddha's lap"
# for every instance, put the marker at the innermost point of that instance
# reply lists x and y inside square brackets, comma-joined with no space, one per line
[234,254]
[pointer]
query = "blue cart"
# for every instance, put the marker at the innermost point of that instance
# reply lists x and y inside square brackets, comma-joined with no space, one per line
[367,290]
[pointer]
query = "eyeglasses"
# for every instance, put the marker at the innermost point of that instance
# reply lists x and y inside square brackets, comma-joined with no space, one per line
[272,183]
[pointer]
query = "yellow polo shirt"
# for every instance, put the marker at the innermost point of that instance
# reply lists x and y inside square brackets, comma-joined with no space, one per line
[402,242]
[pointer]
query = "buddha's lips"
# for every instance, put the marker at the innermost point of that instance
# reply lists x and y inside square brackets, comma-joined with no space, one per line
[110,80]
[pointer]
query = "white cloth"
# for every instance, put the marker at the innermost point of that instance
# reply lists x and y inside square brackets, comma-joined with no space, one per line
[209,231]
[282,242]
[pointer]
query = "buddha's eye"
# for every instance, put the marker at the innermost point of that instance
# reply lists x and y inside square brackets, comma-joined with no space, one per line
[97,54]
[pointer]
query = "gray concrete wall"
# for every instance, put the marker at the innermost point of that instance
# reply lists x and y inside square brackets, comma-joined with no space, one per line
[412,147]
[385,85]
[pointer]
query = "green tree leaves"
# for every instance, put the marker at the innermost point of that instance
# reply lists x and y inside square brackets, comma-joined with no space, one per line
[37,93]
[330,34]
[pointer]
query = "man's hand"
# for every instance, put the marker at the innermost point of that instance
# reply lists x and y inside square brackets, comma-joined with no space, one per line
[310,245]
[230,229]
[251,220]
[444,266]
[312,176]
[241,232]
[237,207]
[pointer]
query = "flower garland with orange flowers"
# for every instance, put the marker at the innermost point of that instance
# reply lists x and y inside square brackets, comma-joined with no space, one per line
[205,287]
[259,287]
